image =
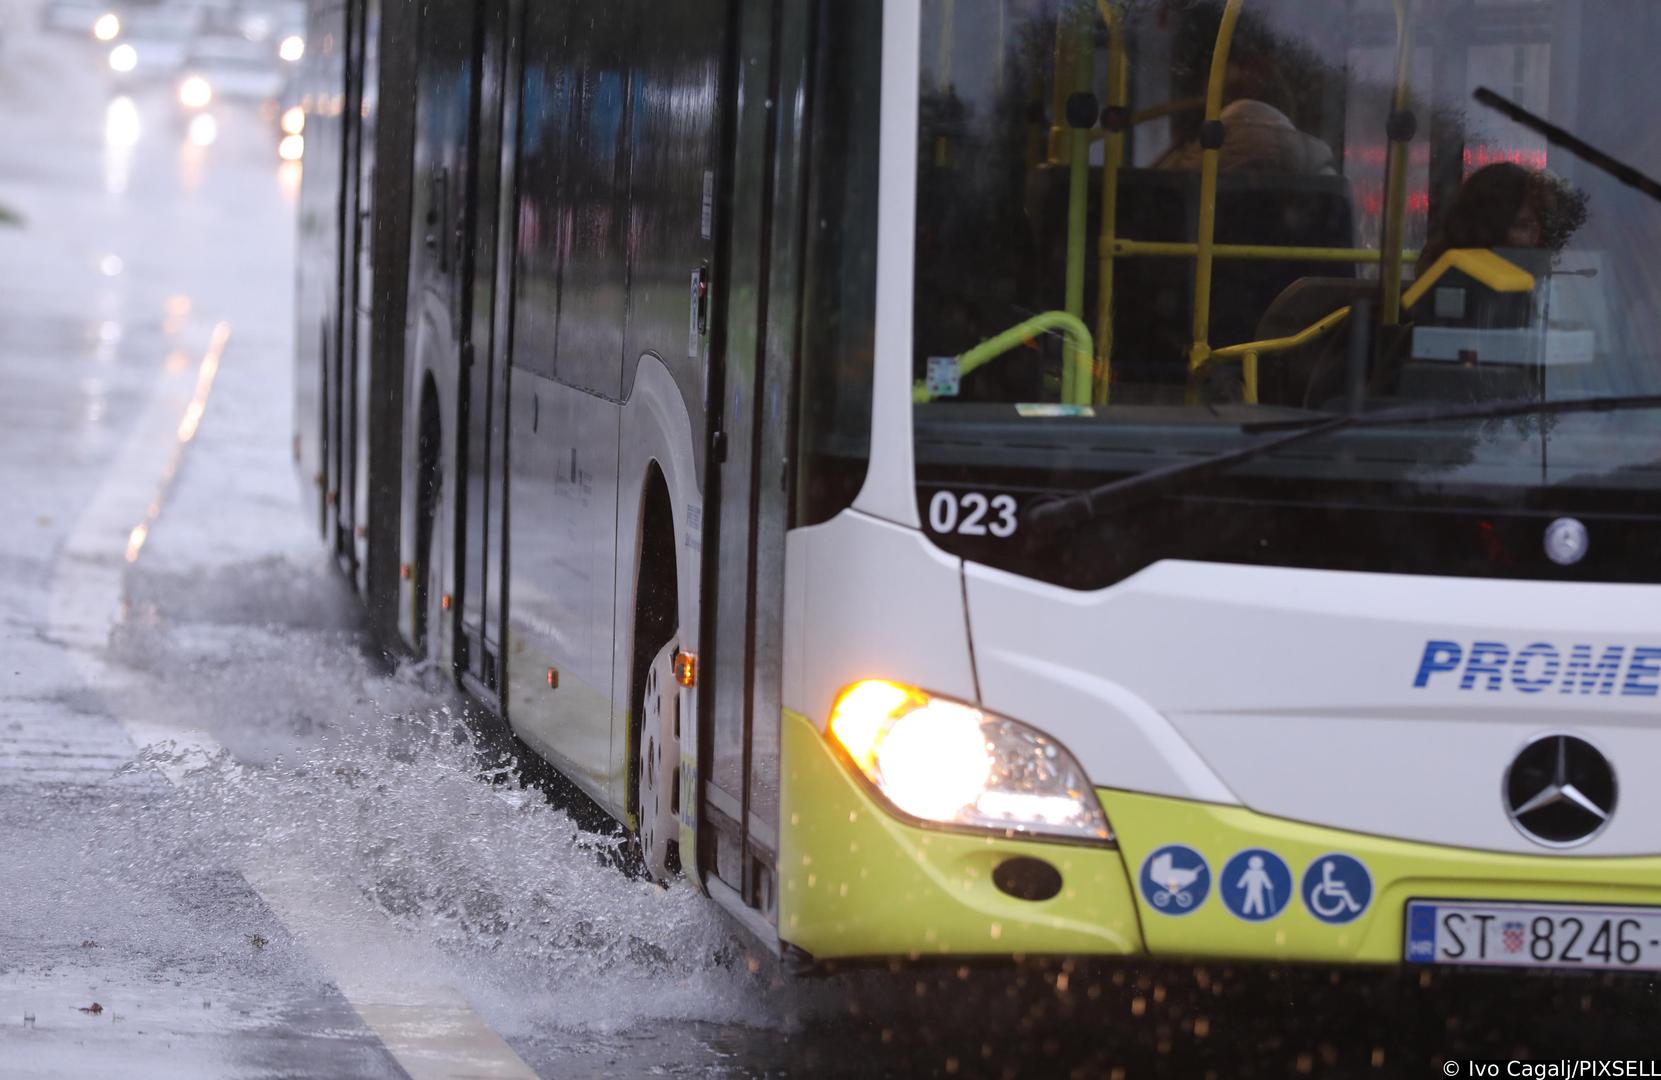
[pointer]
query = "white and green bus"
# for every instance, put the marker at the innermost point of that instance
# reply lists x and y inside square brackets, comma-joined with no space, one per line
[1010,477]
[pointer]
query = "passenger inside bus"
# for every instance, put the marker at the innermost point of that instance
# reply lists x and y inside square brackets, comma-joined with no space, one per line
[1260,136]
[1506,205]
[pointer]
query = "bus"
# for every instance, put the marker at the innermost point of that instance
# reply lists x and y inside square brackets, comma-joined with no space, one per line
[992,478]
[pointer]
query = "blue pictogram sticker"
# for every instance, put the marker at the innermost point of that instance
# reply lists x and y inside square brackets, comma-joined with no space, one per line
[1256,885]
[1175,879]
[1337,888]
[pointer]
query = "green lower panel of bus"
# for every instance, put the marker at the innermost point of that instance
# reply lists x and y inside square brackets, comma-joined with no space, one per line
[1352,912]
[858,882]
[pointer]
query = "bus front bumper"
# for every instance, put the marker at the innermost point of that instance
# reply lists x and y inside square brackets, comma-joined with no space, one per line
[856,882]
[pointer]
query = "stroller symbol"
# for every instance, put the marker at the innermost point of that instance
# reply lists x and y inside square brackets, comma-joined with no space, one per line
[1175,879]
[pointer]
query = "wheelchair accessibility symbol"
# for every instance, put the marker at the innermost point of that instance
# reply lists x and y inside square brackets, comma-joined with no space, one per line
[1256,885]
[1337,889]
[1175,879]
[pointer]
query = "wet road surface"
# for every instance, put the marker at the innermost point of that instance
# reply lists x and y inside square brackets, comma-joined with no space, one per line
[234,842]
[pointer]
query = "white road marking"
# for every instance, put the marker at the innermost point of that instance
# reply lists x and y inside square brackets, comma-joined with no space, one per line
[427,1027]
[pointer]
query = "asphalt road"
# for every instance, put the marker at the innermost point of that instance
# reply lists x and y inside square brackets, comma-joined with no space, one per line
[234,843]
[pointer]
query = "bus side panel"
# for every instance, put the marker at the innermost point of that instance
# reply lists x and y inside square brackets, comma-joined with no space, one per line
[570,277]
[562,537]
[318,288]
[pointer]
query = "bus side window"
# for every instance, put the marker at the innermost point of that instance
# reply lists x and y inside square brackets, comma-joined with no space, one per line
[838,341]
[593,205]
[674,133]
[545,110]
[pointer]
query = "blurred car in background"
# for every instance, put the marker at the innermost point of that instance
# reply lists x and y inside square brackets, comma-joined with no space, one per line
[72,16]
[291,122]
[229,69]
[154,42]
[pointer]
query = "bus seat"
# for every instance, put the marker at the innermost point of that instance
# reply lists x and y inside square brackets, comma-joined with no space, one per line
[1285,378]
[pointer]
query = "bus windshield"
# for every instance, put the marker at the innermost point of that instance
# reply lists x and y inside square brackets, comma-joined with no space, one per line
[1153,232]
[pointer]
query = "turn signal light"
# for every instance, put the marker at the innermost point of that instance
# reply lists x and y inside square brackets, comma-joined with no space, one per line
[686,669]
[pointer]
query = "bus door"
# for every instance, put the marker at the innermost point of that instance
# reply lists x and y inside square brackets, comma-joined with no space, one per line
[751,418]
[357,291]
[437,329]
[333,71]
[484,358]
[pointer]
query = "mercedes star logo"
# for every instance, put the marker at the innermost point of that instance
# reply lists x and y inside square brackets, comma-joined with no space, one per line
[1560,791]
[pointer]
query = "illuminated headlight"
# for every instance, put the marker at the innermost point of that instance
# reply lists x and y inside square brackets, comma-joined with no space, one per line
[292,48]
[108,27]
[945,762]
[292,148]
[294,121]
[195,93]
[123,58]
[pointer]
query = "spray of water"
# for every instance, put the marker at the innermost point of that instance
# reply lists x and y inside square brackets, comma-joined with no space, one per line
[371,784]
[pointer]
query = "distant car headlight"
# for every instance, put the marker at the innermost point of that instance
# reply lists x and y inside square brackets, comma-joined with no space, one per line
[195,92]
[294,121]
[292,48]
[292,148]
[945,762]
[204,130]
[123,58]
[108,27]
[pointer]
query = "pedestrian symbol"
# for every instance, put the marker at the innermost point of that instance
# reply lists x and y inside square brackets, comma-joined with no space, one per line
[1256,885]
[1337,889]
[1175,879]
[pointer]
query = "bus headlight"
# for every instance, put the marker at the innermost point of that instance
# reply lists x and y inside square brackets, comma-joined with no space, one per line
[948,763]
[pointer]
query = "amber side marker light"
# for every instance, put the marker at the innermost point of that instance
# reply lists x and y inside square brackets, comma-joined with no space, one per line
[686,669]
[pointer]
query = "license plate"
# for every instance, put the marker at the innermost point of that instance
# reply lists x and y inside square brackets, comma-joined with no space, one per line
[1564,936]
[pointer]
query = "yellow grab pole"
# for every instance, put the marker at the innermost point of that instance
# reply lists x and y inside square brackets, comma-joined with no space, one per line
[1113,156]
[1211,140]
[1400,131]
[1075,372]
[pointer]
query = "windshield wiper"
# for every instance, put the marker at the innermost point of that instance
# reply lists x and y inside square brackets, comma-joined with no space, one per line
[1132,490]
[1575,145]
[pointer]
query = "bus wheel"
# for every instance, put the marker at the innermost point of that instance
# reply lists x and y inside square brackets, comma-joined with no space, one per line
[659,766]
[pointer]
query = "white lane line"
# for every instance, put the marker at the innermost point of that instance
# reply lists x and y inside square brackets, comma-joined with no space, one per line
[427,1026]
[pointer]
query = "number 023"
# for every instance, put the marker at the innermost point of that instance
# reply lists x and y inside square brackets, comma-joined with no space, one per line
[973,514]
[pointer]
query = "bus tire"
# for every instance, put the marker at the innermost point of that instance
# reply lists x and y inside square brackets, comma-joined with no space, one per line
[659,766]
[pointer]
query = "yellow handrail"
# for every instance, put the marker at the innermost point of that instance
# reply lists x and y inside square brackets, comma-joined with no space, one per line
[1395,198]
[1265,252]
[1075,384]
[1208,186]
[1113,155]
[1154,112]
[1492,271]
